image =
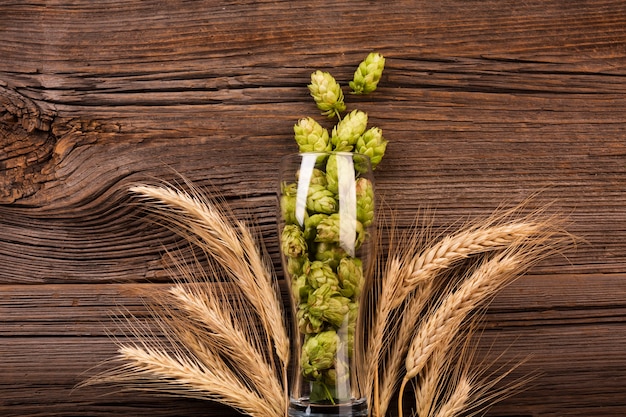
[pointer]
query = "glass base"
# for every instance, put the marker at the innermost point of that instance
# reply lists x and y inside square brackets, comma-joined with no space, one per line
[302,408]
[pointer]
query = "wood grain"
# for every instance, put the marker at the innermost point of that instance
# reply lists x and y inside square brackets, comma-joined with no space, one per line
[485,103]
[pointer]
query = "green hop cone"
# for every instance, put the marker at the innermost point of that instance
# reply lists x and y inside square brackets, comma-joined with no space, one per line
[298,266]
[288,209]
[327,94]
[311,136]
[329,253]
[306,323]
[293,243]
[332,175]
[288,202]
[364,201]
[328,230]
[372,144]
[346,133]
[321,200]
[339,374]
[310,225]
[367,75]
[318,177]
[320,273]
[318,353]
[326,304]
[289,188]
[300,288]
[353,316]
[350,275]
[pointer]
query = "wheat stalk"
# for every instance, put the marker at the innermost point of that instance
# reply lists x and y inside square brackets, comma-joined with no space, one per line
[233,247]
[458,400]
[225,335]
[413,279]
[216,348]
[436,333]
[176,373]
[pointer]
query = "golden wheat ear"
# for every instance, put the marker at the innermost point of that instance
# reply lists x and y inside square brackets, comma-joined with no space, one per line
[223,344]
[431,286]
[231,244]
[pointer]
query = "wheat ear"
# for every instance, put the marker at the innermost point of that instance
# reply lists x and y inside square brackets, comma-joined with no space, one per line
[233,247]
[177,372]
[214,320]
[439,329]
[458,400]
[414,277]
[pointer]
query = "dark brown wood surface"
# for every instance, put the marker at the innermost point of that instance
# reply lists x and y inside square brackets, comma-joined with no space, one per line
[484,104]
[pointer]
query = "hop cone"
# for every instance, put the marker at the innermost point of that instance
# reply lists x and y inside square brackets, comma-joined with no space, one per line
[288,202]
[318,353]
[332,176]
[352,319]
[368,74]
[320,274]
[298,266]
[364,201]
[300,288]
[288,209]
[328,230]
[327,93]
[329,377]
[328,305]
[310,136]
[372,144]
[289,188]
[321,200]
[347,131]
[350,275]
[318,177]
[306,323]
[310,225]
[293,244]
[329,253]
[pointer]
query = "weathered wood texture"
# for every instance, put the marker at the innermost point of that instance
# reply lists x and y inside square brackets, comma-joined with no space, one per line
[485,103]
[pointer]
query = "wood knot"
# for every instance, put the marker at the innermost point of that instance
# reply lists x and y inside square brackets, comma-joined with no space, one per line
[26,145]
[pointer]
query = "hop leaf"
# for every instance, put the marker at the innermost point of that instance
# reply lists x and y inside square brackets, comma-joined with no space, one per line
[327,94]
[372,144]
[311,136]
[367,75]
[346,133]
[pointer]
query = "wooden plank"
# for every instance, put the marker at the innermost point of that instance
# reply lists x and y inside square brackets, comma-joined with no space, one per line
[566,325]
[485,103]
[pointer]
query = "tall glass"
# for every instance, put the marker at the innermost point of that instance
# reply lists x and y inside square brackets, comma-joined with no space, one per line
[326,229]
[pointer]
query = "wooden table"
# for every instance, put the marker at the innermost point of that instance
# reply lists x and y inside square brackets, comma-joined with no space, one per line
[484,104]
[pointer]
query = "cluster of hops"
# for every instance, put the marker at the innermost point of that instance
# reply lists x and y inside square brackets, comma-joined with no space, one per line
[351,133]
[325,273]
